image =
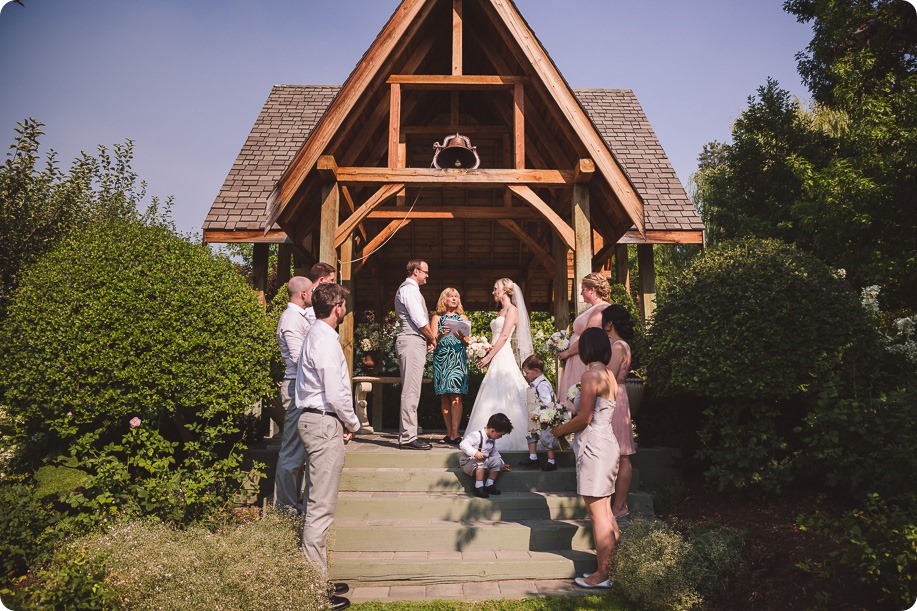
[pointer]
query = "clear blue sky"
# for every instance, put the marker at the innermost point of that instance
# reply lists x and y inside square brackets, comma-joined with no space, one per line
[185,79]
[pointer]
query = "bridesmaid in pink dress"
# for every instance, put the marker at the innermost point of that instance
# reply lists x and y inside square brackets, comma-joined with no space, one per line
[617,324]
[595,291]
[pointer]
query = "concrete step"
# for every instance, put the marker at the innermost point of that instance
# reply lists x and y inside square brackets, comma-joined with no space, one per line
[439,456]
[451,479]
[463,536]
[386,568]
[509,506]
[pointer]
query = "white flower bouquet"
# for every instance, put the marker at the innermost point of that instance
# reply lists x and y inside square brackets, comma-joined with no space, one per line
[477,348]
[559,340]
[546,416]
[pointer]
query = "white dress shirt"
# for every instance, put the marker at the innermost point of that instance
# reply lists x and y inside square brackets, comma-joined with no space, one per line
[291,332]
[479,439]
[411,308]
[323,380]
[543,389]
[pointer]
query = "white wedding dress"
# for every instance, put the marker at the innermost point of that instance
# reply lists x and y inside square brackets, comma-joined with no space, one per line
[502,390]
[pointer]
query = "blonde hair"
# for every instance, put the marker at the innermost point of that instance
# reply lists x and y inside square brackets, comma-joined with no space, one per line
[508,287]
[599,283]
[441,302]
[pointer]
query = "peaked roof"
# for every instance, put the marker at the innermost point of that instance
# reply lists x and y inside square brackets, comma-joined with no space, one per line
[518,49]
[291,112]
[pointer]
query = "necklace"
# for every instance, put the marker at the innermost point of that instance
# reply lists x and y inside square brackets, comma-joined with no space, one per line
[591,368]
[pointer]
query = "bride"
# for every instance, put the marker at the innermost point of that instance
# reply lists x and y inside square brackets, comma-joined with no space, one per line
[504,387]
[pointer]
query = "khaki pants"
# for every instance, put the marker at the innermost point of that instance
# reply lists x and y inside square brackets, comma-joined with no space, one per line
[322,437]
[412,356]
[292,456]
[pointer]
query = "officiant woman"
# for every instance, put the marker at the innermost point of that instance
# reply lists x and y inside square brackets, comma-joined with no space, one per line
[450,362]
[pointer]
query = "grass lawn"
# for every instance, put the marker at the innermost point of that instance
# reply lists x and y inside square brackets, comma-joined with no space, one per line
[606,602]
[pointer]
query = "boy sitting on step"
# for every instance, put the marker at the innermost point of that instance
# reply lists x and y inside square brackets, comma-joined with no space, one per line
[533,370]
[480,455]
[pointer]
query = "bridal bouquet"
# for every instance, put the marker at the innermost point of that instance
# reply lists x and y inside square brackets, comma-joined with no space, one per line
[559,340]
[546,416]
[477,348]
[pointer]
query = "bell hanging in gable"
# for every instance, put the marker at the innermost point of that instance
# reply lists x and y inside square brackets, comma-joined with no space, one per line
[456,153]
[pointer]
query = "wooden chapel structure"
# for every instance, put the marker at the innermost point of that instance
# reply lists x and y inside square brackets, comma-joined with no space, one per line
[567,178]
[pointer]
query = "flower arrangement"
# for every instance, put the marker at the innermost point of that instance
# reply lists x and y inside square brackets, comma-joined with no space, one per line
[371,336]
[376,339]
[559,340]
[477,348]
[573,392]
[545,416]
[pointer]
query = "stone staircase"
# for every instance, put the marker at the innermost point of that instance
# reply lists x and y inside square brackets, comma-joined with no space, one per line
[408,518]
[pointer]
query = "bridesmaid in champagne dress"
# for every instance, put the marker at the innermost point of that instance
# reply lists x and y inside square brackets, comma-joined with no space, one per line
[595,291]
[617,324]
[596,451]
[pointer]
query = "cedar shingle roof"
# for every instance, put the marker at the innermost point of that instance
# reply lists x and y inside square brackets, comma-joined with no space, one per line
[292,111]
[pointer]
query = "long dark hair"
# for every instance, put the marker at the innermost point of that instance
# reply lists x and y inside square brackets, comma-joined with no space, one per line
[617,315]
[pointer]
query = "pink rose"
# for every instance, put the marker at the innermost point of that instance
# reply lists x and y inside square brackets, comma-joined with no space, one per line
[135,422]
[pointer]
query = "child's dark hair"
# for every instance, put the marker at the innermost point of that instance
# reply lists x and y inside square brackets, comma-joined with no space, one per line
[533,362]
[594,346]
[617,315]
[500,423]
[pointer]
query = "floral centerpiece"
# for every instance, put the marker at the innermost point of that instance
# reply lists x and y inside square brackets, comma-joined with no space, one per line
[374,343]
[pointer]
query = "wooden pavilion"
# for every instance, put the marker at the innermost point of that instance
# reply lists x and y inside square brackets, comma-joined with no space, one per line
[567,178]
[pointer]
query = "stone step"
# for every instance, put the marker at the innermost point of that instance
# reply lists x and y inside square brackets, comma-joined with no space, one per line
[461,536]
[386,568]
[451,479]
[539,505]
[439,456]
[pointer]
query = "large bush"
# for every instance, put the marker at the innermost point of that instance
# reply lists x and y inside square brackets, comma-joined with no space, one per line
[753,320]
[136,353]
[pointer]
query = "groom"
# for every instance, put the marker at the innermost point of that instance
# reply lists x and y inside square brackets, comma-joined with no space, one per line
[411,347]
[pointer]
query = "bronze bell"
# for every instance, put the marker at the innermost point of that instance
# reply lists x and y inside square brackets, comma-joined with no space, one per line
[456,153]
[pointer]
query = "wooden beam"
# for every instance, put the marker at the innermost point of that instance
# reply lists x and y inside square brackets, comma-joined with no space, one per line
[689,236]
[274,236]
[345,331]
[557,224]
[462,212]
[519,126]
[622,266]
[331,205]
[537,249]
[351,207]
[561,291]
[360,213]
[327,168]
[451,82]
[370,248]
[394,127]
[471,179]
[409,13]
[583,171]
[646,268]
[518,35]
[284,259]
[259,267]
[582,252]
[465,130]
[456,37]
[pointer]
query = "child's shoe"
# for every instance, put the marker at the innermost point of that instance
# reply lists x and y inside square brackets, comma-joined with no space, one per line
[549,466]
[491,490]
[481,492]
[528,462]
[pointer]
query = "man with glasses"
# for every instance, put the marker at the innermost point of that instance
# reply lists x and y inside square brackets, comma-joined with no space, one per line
[327,423]
[411,346]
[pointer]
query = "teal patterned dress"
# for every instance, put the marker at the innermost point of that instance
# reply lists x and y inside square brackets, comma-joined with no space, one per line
[450,362]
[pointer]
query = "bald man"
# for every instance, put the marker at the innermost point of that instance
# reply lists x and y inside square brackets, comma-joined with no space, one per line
[291,333]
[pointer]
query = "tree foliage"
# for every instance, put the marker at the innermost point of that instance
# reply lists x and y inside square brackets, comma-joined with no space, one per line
[836,178]
[38,206]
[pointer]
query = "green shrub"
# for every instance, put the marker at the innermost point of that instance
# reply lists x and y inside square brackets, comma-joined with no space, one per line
[256,565]
[658,567]
[26,528]
[753,320]
[136,353]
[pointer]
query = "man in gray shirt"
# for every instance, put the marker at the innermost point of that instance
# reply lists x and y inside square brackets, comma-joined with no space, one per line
[411,346]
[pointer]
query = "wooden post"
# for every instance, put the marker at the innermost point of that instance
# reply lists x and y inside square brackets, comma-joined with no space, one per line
[519,127]
[259,270]
[582,229]
[284,256]
[646,268]
[345,331]
[622,266]
[331,202]
[456,37]
[561,294]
